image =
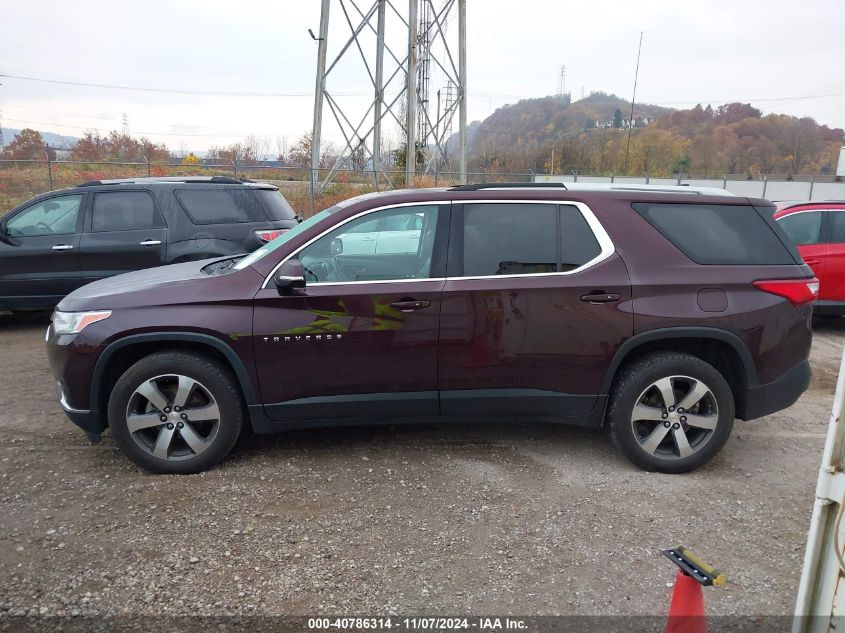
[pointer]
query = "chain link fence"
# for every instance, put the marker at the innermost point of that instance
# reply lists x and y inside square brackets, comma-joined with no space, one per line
[23,179]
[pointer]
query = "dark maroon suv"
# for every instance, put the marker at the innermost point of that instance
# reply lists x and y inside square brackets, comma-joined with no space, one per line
[660,314]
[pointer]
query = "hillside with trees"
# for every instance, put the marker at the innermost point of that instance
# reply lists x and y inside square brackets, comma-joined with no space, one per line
[590,136]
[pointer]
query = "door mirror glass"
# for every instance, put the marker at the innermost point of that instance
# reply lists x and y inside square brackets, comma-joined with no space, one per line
[336,246]
[289,277]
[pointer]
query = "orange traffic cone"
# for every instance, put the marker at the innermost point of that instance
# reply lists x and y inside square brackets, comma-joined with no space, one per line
[686,612]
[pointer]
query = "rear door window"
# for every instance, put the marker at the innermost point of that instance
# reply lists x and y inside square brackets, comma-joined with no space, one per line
[578,243]
[220,206]
[803,228]
[717,234]
[123,211]
[509,239]
[836,225]
[525,239]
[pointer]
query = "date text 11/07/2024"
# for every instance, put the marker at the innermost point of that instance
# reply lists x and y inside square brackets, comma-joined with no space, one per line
[417,623]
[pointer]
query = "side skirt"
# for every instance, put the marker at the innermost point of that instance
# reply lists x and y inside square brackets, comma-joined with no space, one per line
[262,423]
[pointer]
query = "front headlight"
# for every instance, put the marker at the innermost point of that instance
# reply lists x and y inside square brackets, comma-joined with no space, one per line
[75,322]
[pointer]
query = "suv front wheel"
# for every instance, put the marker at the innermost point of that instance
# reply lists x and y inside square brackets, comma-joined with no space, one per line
[176,412]
[670,412]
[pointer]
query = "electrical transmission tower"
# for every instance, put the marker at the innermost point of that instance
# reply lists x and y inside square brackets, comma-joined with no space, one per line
[402,54]
[125,126]
[561,82]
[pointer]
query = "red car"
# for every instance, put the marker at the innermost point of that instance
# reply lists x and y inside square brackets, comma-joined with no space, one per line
[818,229]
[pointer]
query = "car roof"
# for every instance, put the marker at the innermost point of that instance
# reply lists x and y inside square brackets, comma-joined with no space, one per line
[783,205]
[539,191]
[171,180]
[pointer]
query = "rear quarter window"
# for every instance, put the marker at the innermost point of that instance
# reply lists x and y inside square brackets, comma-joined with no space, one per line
[717,234]
[220,206]
[274,204]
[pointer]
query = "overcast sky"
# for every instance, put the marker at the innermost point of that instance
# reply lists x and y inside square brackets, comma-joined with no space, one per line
[780,55]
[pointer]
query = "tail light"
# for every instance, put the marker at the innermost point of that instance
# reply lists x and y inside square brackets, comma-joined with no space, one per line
[270,234]
[799,291]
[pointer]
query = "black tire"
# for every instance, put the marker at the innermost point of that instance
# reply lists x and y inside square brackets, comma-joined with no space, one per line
[212,377]
[632,383]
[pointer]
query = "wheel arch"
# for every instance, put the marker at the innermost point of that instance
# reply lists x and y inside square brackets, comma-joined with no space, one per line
[124,352]
[720,348]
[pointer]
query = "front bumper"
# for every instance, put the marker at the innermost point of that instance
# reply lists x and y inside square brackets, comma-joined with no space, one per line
[780,394]
[87,420]
[71,362]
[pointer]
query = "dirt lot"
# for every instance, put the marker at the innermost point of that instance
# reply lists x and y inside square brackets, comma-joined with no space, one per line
[428,519]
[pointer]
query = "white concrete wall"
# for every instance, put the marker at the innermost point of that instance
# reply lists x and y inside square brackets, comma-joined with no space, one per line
[774,189]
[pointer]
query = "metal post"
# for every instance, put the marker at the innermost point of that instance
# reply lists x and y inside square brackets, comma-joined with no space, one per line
[411,98]
[765,184]
[319,90]
[149,167]
[379,91]
[49,168]
[812,184]
[235,167]
[437,136]
[462,76]
[725,181]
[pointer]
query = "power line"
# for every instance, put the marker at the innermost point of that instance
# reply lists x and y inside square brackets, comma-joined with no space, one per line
[484,95]
[84,127]
[215,93]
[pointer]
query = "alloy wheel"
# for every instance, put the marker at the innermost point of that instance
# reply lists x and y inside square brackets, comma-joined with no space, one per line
[173,417]
[674,417]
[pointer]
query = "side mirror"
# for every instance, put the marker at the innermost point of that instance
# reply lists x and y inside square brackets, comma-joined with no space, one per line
[289,277]
[336,246]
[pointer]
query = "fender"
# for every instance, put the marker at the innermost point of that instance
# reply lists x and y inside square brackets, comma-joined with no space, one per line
[682,332]
[192,337]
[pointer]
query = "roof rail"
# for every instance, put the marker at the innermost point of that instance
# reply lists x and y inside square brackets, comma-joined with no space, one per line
[218,180]
[509,185]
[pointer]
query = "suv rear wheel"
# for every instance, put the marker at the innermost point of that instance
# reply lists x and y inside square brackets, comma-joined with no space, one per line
[176,412]
[670,412]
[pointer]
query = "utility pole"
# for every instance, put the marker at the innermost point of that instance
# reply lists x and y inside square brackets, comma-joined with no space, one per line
[633,98]
[2,144]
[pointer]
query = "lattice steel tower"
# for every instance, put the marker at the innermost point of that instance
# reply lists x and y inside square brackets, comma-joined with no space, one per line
[417,49]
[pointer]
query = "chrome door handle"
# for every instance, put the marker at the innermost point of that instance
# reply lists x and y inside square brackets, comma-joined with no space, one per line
[410,305]
[150,243]
[62,247]
[601,297]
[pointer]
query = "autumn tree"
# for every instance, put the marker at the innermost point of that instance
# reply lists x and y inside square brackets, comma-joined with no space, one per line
[28,145]
[300,153]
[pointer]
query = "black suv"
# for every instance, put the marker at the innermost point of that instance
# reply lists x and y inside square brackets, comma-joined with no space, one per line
[61,240]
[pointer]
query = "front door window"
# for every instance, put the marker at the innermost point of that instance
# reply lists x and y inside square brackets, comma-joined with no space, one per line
[56,216]
[386,245]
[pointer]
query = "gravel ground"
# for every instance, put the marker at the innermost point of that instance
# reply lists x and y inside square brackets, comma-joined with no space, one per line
[437,519]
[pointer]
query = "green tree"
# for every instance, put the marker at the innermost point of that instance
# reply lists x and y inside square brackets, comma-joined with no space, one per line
[617,118]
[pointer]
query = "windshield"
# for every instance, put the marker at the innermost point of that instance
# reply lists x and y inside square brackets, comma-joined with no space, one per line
[285,237]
